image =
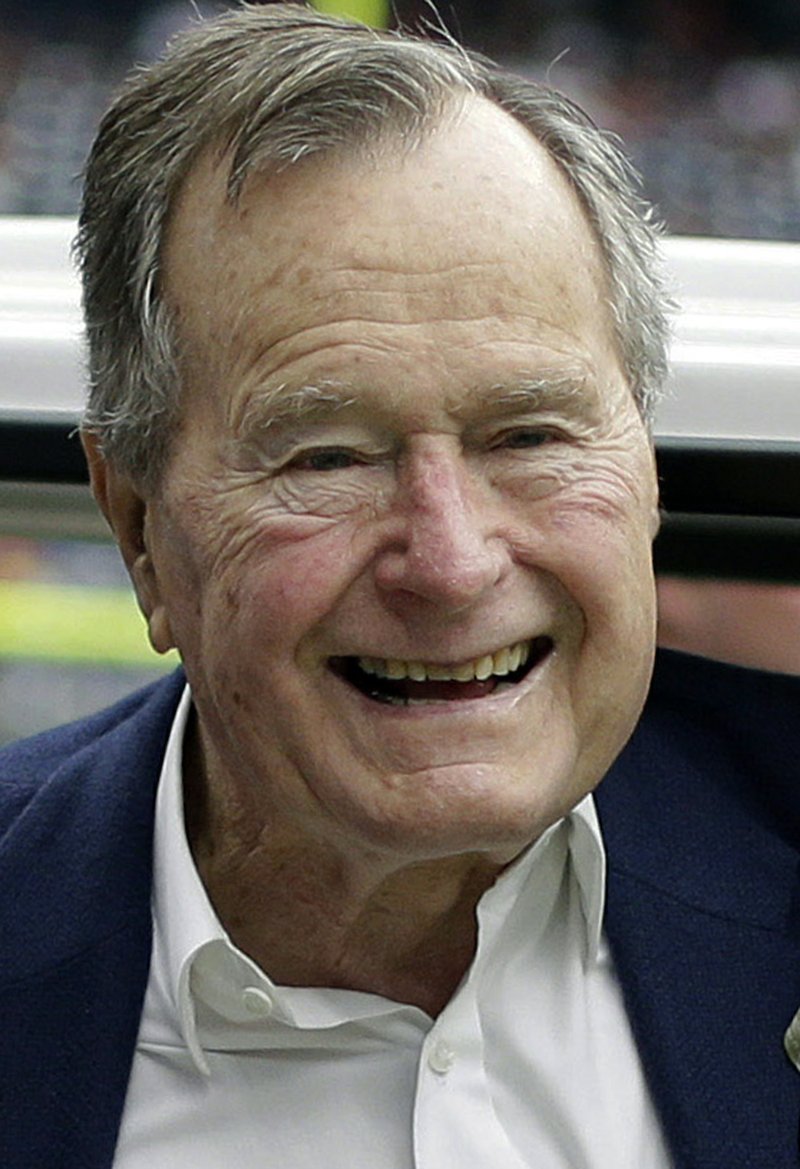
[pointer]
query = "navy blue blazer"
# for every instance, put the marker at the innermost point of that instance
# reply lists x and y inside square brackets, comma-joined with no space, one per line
[701,817]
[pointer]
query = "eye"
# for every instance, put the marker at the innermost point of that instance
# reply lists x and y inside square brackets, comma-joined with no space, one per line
[325,459]
[524,439]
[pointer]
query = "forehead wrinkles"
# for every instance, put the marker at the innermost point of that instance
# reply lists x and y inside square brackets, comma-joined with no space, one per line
[269,321]
[274,318]
[304,301]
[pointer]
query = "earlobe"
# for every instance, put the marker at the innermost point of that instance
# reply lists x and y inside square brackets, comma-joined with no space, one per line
[145,583]
[158,627]
[127,512]
[656,519]
[656,511]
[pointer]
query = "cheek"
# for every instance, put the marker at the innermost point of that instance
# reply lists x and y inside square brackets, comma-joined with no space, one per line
[612,484]
[362,489]
[249,573]
[593,534]
[610,489]
[299,518]
[276,587]
[608,558]
[591,514]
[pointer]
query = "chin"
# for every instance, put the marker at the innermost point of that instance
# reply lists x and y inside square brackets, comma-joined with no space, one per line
[461,810]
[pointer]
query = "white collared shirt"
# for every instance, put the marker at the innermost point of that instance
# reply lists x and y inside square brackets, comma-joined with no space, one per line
[532,1062]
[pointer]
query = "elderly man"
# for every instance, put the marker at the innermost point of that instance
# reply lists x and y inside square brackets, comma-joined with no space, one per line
[375,330]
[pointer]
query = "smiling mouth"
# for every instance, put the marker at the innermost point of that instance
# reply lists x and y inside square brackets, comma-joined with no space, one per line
[408,683]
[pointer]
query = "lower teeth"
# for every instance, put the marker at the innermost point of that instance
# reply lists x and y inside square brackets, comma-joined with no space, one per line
[400,700]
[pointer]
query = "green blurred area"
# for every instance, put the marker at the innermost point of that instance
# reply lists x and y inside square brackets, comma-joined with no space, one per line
[54,622]
[376,13]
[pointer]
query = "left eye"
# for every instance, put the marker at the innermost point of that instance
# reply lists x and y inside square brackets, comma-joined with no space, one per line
[524,439]
[332,459]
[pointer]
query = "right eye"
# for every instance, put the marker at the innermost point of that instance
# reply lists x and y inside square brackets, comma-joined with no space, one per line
[325,459]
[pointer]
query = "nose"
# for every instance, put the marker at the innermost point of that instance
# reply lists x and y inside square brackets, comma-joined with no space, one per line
[447,547]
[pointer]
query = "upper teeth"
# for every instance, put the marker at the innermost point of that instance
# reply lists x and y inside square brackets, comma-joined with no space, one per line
[504,661]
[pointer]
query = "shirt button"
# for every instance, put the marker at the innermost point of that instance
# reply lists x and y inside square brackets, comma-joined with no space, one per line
[257,1002]
[441,1058]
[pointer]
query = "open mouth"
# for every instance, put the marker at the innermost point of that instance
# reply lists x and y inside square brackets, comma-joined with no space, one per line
[406,683]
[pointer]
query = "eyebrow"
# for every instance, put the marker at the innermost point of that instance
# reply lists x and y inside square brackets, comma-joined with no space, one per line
[273,405]
[278,404]
[544,390]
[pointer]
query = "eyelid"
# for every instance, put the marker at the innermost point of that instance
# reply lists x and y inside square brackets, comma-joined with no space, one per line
[303,453]
[323,448]
[280,444]
[547,431]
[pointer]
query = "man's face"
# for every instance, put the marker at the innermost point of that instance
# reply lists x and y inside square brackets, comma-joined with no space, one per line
[403,543]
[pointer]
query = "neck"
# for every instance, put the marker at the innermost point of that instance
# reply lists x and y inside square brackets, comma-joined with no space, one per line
[313,915]
[312,925]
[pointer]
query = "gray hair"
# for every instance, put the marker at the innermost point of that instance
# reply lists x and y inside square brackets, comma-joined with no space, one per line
[269,86]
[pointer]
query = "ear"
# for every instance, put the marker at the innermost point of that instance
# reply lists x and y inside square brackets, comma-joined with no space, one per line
[657,513]
[129,514]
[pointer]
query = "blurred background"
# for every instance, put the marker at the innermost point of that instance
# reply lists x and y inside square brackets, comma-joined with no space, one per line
[706,95]
[707,99]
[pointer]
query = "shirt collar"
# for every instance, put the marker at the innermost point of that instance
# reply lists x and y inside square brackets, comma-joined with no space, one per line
[184,919]
[575,839]
[588,856]
[185,924]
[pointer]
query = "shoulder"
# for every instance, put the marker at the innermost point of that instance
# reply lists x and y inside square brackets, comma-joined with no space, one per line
[708,783]
[682,681]
[76,824]
[28,765]
[740,727]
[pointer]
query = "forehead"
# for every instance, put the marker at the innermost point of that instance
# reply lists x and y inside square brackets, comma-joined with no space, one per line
[475,226]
